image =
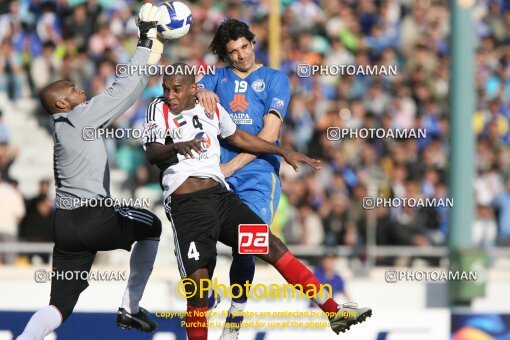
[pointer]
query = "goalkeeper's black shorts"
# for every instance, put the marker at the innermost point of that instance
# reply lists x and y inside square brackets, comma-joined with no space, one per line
[81,232]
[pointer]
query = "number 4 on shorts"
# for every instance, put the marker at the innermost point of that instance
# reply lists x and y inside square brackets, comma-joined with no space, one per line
[193,252]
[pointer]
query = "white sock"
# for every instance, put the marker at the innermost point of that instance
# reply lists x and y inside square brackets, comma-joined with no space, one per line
[235,310]
[141,263]
[237,307]
[42,323]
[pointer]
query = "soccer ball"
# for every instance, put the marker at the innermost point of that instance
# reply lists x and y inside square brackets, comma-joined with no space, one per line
[176,20]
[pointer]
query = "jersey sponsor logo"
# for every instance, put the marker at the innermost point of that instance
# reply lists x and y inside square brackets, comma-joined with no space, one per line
[179,121]
[224,80]
[253,239]
[241,118]
[258,85]
[239,103]
[277,104]
[204,145]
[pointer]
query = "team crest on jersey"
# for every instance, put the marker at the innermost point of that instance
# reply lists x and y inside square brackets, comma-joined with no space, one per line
[258,85]
[209,114]
[204,145]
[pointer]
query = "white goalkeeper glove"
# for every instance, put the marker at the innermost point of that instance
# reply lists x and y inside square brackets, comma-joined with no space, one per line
[148,19]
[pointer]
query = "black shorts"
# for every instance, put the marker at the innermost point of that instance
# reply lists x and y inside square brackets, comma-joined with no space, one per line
[81,232]
[202,218]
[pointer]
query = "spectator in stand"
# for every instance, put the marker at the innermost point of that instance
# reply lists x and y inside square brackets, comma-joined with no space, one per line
[502,205]
[8,155]
[45,68]
[12,210]
[4,130]
[80,25]
[102,40]
[48,24]
[485,229]
[311,226]
[327,273]
[37,225]
[11,71]
[335,222]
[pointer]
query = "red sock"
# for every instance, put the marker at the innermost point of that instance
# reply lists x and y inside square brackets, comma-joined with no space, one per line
[296,273]
[196,323]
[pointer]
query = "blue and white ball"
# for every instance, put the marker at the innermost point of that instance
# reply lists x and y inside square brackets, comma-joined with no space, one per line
[175,21]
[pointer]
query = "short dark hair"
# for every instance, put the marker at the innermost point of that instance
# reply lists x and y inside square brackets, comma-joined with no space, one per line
[229,29]
[182,70]
[49,44]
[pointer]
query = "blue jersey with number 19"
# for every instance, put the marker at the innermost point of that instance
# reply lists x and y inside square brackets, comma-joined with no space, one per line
[248,100]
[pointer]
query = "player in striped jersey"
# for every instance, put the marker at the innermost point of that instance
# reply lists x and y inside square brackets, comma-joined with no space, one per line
[199,205]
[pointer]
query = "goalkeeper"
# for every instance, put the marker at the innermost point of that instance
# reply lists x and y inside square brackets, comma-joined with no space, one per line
[81,174]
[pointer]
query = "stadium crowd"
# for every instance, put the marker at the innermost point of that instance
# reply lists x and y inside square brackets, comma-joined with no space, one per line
[42,41]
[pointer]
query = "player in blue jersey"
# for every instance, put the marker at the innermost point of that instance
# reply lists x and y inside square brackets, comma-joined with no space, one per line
[256,97]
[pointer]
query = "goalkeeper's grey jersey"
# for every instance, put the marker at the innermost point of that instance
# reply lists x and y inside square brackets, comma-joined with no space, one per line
[80,161]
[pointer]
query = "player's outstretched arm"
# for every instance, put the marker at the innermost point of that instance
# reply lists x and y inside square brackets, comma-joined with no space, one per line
[268,133]
[248,142]
[104,108]
[158,153]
